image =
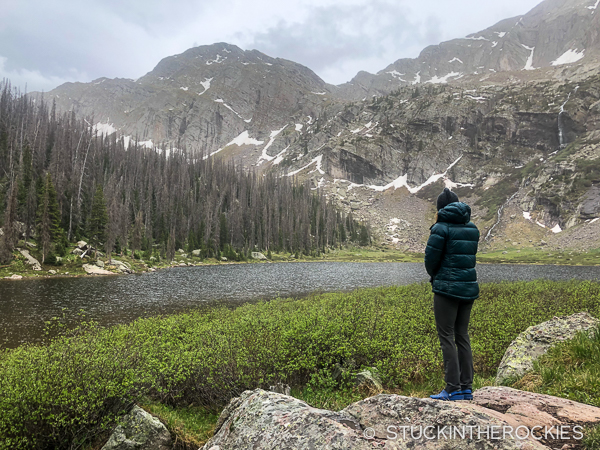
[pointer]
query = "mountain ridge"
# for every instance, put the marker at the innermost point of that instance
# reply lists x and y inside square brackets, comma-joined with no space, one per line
[494,119]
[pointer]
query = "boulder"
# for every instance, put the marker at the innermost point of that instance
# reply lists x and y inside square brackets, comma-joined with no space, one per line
[532,409]
[196,252]
[182,251]
[536,340]
[77,251]
[139,430]
[258,255]
[52,272]
[223,258]
[31,260]
[261,420]
[268,420]
[119,264]
[82,245]
[95,270]
[14,277]
[100,263]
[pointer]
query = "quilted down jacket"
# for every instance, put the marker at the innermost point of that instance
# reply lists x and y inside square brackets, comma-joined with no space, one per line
[450,253]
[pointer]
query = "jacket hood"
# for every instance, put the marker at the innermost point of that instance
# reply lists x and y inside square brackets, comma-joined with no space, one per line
[457,212]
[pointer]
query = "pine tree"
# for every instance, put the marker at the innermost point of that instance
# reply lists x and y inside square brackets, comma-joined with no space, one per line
[170,254]
[9,237]
[98,220]
[136,234]
[49,229]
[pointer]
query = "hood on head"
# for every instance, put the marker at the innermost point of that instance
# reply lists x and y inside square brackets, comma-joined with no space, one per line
[457,212]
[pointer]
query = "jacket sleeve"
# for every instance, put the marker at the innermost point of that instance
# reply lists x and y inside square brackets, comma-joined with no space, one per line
[435,249]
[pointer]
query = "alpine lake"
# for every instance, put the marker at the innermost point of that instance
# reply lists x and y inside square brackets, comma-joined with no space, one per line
[27,305]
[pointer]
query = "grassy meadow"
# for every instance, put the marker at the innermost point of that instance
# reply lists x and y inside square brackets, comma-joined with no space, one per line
[184,368]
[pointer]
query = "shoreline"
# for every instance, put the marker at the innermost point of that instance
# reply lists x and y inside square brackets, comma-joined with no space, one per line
[74,269]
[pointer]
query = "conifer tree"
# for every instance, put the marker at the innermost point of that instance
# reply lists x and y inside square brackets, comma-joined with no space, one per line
[49,229]
[98,219]
[9,237]
[136,234]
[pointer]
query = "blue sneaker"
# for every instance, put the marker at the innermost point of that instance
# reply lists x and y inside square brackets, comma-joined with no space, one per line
[456,395]
[467,394]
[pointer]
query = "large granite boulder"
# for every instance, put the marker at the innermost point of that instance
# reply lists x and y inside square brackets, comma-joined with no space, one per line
[139,430]
[121,266]
[532,409]
[31,260]
[261,420]
[536,340]
[259,256]
[95,270]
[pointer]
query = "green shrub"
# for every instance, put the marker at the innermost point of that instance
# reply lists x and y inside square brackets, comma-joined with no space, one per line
[63,393]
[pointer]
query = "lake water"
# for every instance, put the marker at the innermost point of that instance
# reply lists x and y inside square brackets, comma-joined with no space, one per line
[25,305]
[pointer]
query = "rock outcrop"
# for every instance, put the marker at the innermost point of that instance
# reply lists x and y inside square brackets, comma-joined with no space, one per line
[31,260]
[532,409]
[14,276]
[498,418]
[537,339]
[139,430]
[95,270]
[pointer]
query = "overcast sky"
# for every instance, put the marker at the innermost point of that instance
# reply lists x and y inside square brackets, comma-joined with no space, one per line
[44,43]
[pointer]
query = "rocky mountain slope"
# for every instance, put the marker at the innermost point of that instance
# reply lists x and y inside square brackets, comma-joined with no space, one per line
[508,117]
[554,33]
[202,98]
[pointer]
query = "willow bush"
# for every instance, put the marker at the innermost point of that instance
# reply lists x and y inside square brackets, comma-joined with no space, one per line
[62,394]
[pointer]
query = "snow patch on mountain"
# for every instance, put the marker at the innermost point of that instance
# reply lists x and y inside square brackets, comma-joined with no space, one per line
[529,63]
[264,156]
[206,85]
[243,139]
[595,6]
[455,59]
[568,57]
[417,78]
[104,128]
[218,60]
[444,79]
[220,100]
[299,127]
[402,181]
[318,160]
[397,75]
[147,144]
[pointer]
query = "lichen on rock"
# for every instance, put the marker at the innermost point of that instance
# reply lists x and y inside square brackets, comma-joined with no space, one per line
[536,340]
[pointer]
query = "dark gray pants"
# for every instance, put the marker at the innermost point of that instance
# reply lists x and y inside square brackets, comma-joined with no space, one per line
[452,323]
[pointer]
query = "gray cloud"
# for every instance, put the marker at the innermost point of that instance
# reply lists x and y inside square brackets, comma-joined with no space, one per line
[44,43]
[332,35]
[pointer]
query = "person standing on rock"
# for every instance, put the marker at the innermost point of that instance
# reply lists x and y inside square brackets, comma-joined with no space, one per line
[450,262]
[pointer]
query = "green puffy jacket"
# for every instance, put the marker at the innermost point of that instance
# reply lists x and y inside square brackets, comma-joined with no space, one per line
[450,253]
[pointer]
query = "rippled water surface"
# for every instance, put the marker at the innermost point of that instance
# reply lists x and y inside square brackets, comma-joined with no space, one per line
[25,305]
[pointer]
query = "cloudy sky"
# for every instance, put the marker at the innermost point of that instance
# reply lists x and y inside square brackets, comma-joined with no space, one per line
[44,43]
